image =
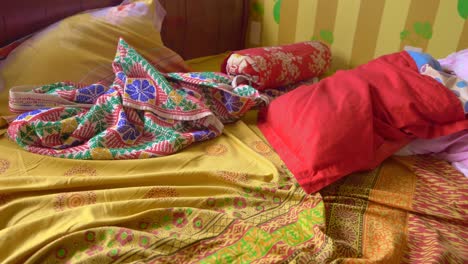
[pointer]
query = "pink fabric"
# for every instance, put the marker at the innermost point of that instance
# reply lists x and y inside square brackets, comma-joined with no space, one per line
[458,63]
[452,148]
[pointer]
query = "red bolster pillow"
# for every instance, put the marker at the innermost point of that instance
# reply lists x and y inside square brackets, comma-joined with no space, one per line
[272,67]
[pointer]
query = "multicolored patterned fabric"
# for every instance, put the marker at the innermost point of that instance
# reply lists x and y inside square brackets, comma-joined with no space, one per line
[228,200]
[249,209]
[271,67]
[142,114]
[409,210]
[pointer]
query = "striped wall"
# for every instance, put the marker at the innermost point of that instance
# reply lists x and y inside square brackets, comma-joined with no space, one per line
[360,30]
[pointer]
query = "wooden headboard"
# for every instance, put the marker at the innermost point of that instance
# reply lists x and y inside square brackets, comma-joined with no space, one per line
[195,28]
[192,28]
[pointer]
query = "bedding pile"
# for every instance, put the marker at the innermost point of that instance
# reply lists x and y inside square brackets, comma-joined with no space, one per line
[355,119]
[451,72]
[142,114]
[230,199]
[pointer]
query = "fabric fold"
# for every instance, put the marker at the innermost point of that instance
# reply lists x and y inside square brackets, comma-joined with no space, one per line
[355,119]
[142,114]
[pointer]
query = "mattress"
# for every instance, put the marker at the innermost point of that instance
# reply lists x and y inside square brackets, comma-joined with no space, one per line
[229,199]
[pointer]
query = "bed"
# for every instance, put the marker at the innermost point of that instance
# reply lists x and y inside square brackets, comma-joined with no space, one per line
[227,200]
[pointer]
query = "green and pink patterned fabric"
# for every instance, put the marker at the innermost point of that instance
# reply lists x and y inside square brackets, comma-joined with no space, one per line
[142,114]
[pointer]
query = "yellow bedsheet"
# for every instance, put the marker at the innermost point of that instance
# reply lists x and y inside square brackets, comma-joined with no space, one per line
[59,209]
[208,63]
[227,200]
[45,200]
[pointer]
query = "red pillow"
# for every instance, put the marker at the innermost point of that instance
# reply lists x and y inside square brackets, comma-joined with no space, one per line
[355,119]
[272,67]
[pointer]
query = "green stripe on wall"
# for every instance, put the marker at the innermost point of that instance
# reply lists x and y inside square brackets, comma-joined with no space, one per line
[367,32]
[288,21]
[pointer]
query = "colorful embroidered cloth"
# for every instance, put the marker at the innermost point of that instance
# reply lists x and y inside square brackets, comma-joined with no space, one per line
[142,114]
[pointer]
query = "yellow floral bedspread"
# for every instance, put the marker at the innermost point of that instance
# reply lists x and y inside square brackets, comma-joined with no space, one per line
[227,200]
[212,201]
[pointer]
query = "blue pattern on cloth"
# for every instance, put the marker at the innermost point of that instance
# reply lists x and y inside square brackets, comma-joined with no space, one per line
[461,84]
[421,59]
[458,86]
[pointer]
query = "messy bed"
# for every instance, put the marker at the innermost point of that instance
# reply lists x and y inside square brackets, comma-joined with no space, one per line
[117,148]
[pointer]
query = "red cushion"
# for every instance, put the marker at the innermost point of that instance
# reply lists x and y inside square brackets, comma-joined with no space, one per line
[355,119]
[272,67]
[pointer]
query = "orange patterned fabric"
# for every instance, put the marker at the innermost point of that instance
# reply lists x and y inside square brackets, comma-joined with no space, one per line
[410,210]
[438,223]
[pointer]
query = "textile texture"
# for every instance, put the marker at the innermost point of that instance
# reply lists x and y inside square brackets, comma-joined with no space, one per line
[355,119]
[247,209]
[81,48]
[226,200]
[272,67]
[142,114]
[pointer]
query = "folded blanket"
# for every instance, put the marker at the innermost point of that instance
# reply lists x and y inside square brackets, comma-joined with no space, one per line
[142,114]
[355,119]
